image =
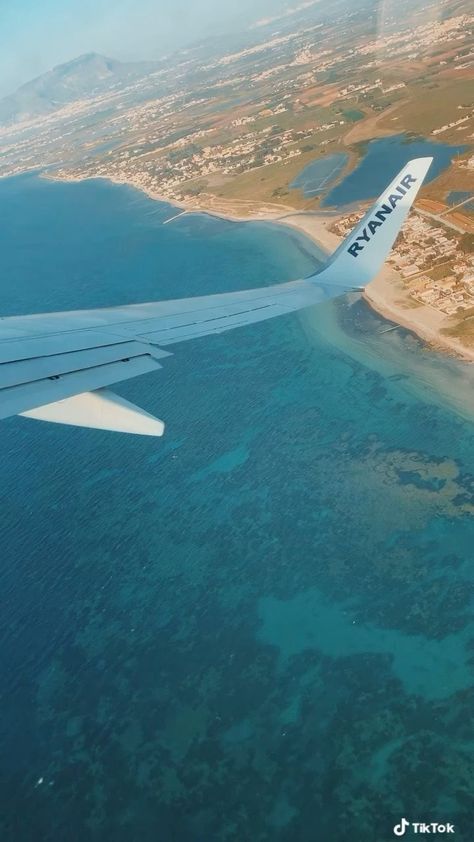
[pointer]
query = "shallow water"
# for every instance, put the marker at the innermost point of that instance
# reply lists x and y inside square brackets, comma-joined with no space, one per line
[382,160]
[259,627]
[457,196]
[318,176]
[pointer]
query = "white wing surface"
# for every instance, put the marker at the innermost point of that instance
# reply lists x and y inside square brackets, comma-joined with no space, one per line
[57,366]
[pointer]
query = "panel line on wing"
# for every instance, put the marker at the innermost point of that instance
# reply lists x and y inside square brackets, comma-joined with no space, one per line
[38,368]
[214,318]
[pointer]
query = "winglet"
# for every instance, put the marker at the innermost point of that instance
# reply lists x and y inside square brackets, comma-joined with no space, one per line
[360,257]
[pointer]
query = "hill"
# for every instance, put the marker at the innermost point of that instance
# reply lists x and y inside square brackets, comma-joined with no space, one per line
[83,77]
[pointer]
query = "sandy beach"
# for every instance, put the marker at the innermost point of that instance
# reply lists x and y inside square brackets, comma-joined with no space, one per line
[387,294]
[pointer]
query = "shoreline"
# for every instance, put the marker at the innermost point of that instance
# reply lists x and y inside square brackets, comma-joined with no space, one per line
[386,295]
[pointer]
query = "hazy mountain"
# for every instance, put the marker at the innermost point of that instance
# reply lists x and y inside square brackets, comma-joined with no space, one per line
[83,77]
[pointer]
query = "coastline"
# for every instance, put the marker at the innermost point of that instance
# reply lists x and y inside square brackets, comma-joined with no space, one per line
[386,295]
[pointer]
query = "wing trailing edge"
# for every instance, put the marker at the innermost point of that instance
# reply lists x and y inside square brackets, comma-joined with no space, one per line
[58,366]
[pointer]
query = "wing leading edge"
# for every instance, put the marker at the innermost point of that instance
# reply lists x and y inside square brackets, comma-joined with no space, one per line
[57,366]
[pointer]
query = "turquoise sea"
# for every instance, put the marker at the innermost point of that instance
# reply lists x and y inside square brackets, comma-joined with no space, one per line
[261,626]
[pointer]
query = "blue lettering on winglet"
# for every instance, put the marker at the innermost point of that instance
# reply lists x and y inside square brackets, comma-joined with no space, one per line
[380,216]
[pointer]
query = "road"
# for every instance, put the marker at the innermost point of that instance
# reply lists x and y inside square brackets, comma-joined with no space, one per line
[459,205]
[441,220]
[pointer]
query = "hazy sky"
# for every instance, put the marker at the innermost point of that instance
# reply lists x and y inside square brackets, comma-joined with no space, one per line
[35,35]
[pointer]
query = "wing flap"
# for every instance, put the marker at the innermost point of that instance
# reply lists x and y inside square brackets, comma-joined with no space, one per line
[60,342]
[100,410]
[27,371]
[15,400]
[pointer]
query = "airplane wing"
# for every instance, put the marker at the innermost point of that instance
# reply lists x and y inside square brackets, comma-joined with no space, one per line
[58,366]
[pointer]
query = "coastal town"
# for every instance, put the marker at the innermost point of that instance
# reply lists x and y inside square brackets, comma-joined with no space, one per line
[231,131]
[434,258]
[294,112]
[191,133]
